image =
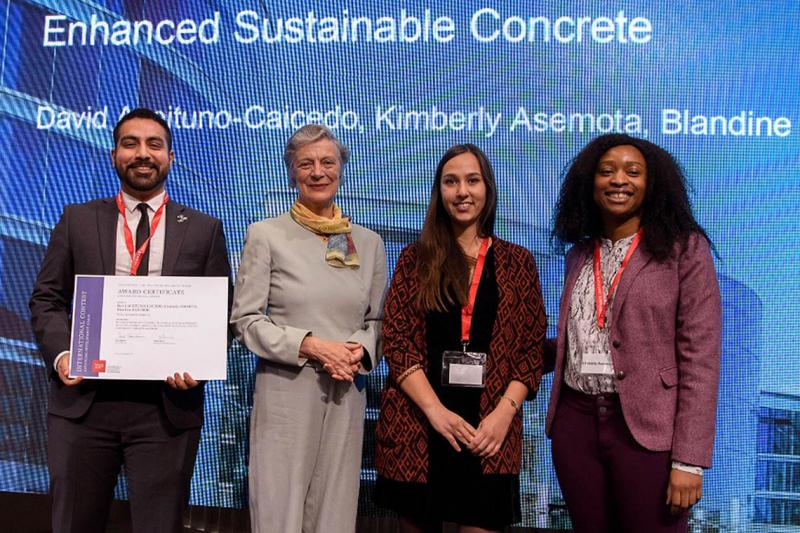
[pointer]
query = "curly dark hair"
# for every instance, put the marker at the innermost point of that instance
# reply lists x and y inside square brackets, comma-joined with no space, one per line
[666,211]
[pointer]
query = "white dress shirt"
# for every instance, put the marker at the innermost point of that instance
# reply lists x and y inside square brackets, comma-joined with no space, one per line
[123,259]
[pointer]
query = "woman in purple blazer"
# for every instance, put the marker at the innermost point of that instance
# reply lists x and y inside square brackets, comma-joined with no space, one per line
[634,395]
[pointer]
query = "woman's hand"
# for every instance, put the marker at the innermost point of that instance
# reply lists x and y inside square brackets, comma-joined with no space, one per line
[684,490]
[450,426]
[340,359]
[492,430]
[357,354]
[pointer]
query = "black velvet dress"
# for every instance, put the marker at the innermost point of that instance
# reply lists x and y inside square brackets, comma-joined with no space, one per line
[457,491]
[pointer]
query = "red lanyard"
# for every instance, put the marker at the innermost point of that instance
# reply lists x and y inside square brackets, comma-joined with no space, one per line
[601,303]
[136,256]
[467,310]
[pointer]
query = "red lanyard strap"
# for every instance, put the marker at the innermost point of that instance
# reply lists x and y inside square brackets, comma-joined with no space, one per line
[467,310]
[601,303]
[137,255]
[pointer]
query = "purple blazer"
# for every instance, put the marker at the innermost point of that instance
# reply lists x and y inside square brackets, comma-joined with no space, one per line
[666,330]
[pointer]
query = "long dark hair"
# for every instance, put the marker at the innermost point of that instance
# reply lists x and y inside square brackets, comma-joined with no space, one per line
[666,211]
[441,265]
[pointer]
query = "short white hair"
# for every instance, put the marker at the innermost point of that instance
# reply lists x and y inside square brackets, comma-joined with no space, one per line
[308,134]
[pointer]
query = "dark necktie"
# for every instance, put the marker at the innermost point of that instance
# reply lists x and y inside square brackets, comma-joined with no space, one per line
[142,233]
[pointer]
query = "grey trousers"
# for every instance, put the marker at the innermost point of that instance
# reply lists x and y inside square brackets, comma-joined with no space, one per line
[305,451]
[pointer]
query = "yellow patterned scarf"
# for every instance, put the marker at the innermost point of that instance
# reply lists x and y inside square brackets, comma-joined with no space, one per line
[341,251]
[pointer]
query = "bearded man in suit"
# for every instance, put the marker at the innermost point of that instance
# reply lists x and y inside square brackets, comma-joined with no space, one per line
[96,426]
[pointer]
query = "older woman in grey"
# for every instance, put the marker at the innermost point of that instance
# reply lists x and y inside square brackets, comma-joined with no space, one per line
[308,303]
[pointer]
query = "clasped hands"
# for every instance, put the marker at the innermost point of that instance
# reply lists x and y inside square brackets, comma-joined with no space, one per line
[177,381]
[342,360]
[485,441]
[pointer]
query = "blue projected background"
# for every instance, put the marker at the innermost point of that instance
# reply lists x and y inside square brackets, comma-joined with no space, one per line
[716,83]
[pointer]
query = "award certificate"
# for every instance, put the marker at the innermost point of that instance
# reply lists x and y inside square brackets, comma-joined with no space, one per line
[149,327]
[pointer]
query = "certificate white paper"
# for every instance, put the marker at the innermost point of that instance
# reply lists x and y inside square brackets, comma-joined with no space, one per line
[149,327]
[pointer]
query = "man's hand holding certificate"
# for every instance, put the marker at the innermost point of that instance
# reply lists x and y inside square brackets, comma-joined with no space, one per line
[150,328]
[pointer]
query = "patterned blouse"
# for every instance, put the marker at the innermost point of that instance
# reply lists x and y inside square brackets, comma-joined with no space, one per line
[583,335]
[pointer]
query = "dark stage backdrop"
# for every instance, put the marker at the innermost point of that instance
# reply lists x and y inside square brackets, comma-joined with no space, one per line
[530,82]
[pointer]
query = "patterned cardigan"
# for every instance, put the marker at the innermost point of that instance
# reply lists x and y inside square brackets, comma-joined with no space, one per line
[515,354]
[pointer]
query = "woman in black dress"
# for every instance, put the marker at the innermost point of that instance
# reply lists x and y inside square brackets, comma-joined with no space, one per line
[463,331]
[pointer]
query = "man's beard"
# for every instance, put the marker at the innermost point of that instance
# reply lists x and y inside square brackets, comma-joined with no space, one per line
[143,184]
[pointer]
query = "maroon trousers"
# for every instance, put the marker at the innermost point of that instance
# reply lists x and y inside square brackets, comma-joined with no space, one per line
[609,481]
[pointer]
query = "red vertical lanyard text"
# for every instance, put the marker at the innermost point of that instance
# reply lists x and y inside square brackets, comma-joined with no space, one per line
[467,310]
[136,255]
[601,301]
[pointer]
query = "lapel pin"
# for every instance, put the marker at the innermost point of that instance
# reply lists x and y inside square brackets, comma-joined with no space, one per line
[182,219]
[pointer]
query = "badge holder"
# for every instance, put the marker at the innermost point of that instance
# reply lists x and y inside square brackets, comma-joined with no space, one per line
[463,369]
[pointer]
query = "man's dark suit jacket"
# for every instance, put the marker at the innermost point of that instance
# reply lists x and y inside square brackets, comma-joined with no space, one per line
[84,242]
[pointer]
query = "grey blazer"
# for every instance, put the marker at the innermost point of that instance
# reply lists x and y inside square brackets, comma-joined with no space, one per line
[285,290]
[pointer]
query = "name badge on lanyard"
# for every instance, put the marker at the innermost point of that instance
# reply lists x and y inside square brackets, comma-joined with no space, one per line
[463,369]
[596,363]
[467,369]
